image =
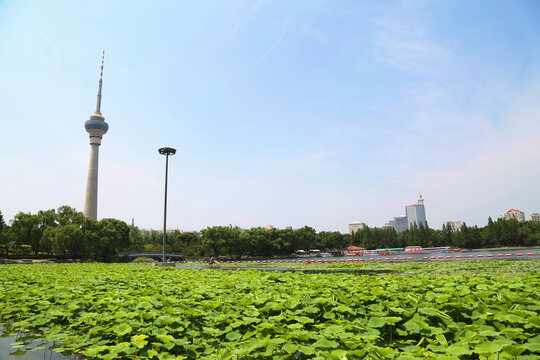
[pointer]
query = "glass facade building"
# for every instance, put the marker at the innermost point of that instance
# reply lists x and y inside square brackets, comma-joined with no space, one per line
[416,213]
[399,223]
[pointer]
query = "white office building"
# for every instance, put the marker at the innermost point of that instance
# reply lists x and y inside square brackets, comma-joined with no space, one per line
[416,213]
[455,225]
[399,223]
[355,226]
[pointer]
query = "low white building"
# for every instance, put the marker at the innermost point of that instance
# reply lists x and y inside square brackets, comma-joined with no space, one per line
[455,225]
[534,217]
[355,226]
[513,214]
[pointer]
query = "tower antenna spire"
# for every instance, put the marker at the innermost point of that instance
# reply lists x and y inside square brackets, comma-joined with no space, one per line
[98,103]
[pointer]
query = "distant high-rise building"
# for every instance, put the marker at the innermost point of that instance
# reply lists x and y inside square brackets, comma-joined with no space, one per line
[355,226]
[416,213]
[534,217]
[96,128]
[513,214]
[455,225]
[399,223]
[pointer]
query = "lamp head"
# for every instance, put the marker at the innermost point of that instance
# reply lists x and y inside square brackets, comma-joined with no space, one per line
[167,151]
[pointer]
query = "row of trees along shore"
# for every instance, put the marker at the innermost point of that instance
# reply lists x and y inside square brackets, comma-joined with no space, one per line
[67,233]
[64,233]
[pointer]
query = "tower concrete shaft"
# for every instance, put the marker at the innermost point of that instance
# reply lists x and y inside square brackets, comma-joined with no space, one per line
[90,200]
[96,128]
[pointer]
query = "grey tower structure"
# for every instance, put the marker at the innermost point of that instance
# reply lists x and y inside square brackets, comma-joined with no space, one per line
[96,128]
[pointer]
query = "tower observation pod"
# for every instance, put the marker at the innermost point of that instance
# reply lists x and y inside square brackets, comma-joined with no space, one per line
[96,128]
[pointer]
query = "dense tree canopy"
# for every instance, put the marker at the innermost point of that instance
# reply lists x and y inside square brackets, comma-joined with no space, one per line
[64,233]
[231,241]
[67,233]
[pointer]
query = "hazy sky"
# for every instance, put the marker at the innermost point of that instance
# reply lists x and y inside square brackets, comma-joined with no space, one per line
[288,113]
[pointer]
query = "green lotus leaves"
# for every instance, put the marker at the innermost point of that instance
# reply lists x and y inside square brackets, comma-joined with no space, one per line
[488,348]
[139,340]
[122,329]
[406,311]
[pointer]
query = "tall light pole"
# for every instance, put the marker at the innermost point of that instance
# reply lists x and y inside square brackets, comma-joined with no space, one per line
[165,151]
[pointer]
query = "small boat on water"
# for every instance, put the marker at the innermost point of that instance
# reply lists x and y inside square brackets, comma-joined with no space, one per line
[440,249]
[308,253]
[389,251]
[413,250]
[437,249]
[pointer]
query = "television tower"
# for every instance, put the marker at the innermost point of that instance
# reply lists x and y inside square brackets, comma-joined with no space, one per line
[96,127]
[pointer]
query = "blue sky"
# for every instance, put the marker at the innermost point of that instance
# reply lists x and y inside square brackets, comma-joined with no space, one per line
[288,113]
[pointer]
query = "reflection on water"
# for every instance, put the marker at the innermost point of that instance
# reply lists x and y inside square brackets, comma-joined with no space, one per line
[16,348]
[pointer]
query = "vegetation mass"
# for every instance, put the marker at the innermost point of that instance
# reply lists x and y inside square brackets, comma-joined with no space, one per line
[466,310]
[67,233]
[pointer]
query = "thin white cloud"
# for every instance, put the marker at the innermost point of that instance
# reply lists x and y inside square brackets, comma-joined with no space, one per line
[317,34]
[246,17]
[270,49]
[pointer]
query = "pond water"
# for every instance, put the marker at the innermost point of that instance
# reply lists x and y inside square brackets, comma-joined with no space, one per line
[497,254]
[43,349]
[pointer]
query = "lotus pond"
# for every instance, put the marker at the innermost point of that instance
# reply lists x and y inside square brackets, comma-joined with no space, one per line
[465,310]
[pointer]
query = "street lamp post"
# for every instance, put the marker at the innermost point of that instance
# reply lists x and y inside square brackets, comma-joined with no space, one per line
[165,151]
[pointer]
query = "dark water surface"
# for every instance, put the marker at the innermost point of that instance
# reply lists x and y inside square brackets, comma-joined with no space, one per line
[480,255]
[43,350]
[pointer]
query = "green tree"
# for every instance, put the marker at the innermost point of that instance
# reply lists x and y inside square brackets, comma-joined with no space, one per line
[187,243]
[330,240]
[136,239]
[447,235]
[424,235]
[91,238]
[213,238]
[415,235]
[46,219]
[260,240]
[3,235]
[305,237]
[490,234]
[25,231]
[288,240]
[113,236]
[475,238]
[48,239]
[2,222]
[68,215]
[405,238]
[367,239]
[231,237]
[67,240]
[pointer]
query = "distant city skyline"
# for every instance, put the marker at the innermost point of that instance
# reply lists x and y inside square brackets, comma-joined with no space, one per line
[285,113]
